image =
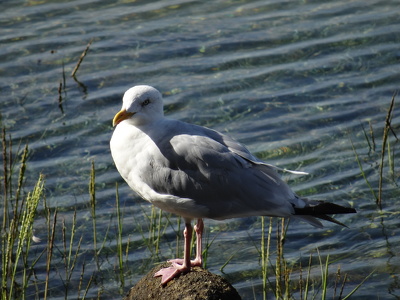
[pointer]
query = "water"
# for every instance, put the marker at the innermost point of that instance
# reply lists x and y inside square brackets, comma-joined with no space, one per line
[296,81]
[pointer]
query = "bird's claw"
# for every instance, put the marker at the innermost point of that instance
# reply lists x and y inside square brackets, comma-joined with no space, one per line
[167,274]
[177,267]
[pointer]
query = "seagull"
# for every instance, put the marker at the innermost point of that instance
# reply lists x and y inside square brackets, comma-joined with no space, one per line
[196,173]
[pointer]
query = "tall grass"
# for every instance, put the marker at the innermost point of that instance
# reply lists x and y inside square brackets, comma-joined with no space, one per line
[386,151]
[120,253]
[19,212]
[92,194]
[21,277]
[279,278]
[63,256]
[283,286]
[265,252]
[385,142]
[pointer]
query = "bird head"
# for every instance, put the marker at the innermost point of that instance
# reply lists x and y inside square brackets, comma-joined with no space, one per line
[141,104]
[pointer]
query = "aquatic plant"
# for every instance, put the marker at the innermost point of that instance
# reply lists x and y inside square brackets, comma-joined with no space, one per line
[19,275]
[17,219]
[380,157]
[281,280]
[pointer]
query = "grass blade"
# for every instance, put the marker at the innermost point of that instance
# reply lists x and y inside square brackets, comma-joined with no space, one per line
[358,286]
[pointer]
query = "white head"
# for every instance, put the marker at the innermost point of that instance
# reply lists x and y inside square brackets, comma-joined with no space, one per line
[141,104]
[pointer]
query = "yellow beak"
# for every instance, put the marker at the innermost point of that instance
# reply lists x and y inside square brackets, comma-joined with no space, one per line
[120,116]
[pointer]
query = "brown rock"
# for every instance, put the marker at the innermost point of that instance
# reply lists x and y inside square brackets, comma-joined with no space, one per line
[198,284]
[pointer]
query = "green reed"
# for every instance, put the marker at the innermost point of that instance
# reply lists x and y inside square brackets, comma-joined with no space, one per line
[19,212]
[25,235]
[120,253]
[385,142]
[51,231]
[265,252]
[70,251]
[386,151]
[92,194]
[63,251]
[279,278]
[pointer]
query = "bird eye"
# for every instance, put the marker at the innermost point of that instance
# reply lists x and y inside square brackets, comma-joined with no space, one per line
[146,102]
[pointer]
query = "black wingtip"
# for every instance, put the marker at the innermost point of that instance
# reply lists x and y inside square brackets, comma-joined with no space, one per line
[321,209]
[324,208]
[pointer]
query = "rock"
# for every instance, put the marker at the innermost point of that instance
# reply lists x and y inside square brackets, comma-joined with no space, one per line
[198,284]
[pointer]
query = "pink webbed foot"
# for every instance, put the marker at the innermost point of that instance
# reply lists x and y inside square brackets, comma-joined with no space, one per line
[177,267]
[167,274]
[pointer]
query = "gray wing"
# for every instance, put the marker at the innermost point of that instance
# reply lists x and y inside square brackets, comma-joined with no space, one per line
[217,173]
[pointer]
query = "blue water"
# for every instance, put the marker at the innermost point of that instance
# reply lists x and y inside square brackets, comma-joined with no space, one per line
[296,81]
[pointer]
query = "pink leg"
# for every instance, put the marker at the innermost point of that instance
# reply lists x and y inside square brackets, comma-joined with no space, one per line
[198,261]
[183,265]
[198,228]
[178,265]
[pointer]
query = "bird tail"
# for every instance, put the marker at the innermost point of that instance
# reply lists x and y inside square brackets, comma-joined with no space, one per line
[320,209]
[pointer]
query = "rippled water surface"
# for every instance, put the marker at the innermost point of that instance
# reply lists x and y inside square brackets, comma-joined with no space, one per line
[299,82]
